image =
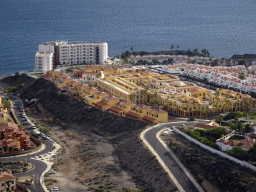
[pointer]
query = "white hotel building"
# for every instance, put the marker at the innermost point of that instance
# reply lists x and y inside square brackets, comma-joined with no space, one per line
[69,53]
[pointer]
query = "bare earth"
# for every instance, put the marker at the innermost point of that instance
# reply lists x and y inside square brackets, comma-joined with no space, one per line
[86,162]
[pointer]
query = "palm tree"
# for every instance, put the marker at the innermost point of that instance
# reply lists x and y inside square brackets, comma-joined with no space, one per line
[131,48]
[248,108]
[195,50]
[172,47]
[132,97]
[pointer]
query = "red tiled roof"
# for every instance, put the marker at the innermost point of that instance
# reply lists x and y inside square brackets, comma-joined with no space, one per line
[90,73]
[2,143]
[252,135]
[122,101]
[91,68]
[101,104]
[158,111]
[141,106]
[91,89]
[117,109]
[108,98]
[8,125]
[5,176]
[13,144]
[132,114]
[100,93]
[151,119]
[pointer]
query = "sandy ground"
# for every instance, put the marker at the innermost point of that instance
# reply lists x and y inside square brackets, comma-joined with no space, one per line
[86,161]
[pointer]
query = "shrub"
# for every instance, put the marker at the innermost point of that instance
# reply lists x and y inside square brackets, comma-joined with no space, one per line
[174,147]
[46,131]
[191,119]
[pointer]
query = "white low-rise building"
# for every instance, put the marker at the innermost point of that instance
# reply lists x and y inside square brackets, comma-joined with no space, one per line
[90,77]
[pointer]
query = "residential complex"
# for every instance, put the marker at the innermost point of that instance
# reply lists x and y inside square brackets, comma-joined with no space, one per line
[137,93]
[12,138]
[68,53]
[229,77]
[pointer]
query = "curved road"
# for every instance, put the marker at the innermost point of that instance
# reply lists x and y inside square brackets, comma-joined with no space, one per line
[39,166]
[163,153]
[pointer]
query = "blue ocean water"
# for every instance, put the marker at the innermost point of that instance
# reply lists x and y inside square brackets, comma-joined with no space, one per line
[224,27]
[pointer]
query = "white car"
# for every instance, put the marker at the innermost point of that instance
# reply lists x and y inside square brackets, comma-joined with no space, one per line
[45,137]
[54,189]
[52,172]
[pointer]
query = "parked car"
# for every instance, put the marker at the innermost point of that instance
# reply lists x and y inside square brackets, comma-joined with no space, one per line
[52,172]
[45,137]
[54,189]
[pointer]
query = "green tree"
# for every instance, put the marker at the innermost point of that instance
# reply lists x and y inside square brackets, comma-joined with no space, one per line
[155,61]
[7,104]
[241,62]
[232,125]
[241,76]
[239,126]
[247,128]
[195,50]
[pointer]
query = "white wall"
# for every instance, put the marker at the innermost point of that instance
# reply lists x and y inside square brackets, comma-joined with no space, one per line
[46,48]
[43,62]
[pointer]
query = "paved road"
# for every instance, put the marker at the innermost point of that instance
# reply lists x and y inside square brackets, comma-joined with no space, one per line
[177,172]
[39,166]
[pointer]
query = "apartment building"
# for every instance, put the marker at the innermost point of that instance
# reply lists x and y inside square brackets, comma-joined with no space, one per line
[54,53]
[43,62]
[82,52]
[7,182]
[120,87]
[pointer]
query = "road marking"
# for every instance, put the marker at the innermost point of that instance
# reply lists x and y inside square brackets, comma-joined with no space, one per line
[178,161]
[159,159]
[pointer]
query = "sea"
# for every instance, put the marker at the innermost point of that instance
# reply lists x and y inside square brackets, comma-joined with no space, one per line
[223,27]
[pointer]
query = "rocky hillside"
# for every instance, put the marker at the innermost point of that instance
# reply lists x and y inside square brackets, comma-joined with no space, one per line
[14,80]
[73,111]
[212,170]
[146,169]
